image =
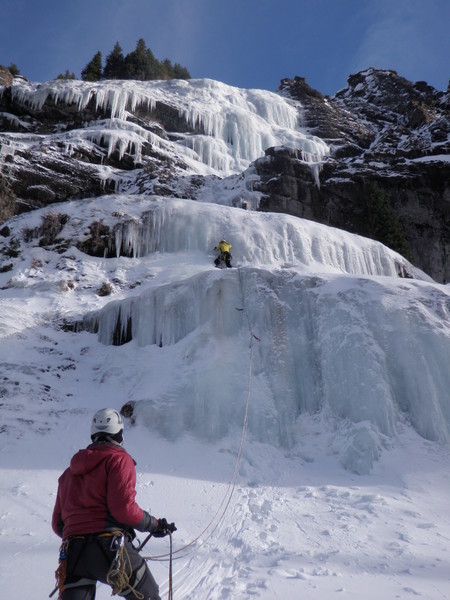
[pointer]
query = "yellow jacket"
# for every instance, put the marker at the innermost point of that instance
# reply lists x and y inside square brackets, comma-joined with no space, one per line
[223,247]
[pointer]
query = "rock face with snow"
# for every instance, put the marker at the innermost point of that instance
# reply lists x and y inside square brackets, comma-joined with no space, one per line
[295,151]
[381,129]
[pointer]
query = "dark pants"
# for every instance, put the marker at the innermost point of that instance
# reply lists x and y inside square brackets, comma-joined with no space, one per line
[225,257]
[89,560]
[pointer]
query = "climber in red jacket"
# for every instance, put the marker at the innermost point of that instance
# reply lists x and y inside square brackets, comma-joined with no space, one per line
[96,514]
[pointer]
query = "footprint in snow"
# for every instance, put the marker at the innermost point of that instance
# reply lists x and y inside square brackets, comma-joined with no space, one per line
[411,591]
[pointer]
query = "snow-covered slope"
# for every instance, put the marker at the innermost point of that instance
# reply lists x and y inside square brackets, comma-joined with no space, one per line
[342,485]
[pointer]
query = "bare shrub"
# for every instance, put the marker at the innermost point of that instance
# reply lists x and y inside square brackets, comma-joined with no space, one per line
[52,225]
[105,289]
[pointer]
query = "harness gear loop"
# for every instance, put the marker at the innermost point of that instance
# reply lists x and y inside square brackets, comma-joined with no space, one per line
[61,571]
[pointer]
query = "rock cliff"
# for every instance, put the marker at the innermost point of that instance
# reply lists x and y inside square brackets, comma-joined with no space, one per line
[386,134]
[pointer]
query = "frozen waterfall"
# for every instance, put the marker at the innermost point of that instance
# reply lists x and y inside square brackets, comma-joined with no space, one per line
[316,349]
[337,330]
[170,225]
[231,127]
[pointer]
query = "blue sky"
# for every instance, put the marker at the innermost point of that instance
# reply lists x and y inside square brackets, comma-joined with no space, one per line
[247,43]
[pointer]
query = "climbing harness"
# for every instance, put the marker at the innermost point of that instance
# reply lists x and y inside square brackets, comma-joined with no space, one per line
[120,570]
[222,509]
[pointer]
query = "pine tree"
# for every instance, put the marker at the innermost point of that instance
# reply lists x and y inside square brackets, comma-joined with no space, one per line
[167,69]
[179,72]
[93,70]
[176,71]
[14,70]
[136,62]
[140,64]
[115,64]
[154,70]
[67,75]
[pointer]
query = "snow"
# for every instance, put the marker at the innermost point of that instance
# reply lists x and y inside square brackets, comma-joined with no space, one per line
[433,158]
[343,484]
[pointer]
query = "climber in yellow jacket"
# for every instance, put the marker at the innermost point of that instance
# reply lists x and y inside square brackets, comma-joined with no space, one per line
[224,257]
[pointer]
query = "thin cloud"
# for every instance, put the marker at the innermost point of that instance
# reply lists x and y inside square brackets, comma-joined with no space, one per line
[408,36]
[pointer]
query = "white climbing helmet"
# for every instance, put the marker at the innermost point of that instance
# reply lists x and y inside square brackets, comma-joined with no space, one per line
[106,420]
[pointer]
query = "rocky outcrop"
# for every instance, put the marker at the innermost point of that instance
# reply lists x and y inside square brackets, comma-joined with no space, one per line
[323,118]
[6,77]
[386,133]
[420,203]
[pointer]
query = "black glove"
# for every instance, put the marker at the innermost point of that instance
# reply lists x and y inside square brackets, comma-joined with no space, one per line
[163,528]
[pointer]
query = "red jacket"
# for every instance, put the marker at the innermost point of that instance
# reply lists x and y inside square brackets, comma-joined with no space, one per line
[97,493]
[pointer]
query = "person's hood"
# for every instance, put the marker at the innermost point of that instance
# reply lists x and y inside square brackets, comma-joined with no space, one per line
[89,458]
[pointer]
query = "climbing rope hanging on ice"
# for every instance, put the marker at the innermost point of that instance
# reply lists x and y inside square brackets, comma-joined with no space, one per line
[223,507]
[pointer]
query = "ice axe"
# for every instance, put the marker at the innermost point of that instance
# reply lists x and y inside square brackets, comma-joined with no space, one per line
[139,548]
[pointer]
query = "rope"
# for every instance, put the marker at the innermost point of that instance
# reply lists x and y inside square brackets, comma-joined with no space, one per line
[117,576]
[232,484]
[170,595]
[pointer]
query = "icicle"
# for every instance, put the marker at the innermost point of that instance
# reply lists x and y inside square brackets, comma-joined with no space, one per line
[241,123]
